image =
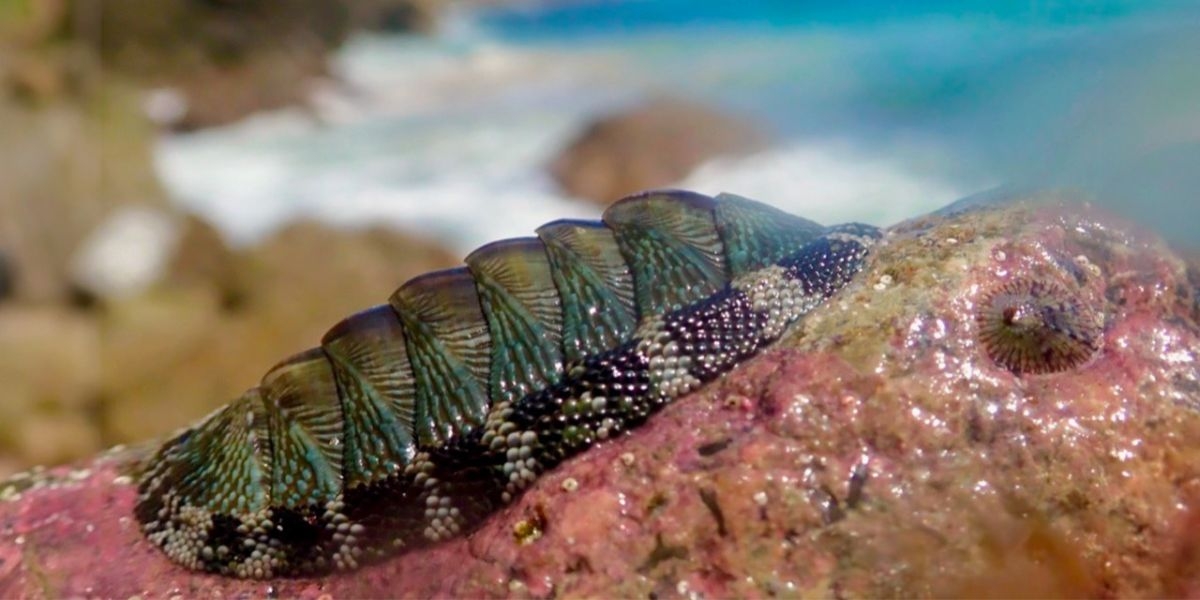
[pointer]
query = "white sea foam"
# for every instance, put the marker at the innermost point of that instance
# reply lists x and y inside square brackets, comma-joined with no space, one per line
[830,181]
[464,184]
[445,137]
[450,137]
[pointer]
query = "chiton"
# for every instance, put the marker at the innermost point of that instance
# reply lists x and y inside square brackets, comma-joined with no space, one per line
[414,420]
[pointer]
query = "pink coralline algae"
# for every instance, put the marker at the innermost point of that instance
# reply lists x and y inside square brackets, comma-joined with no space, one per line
[1006,402]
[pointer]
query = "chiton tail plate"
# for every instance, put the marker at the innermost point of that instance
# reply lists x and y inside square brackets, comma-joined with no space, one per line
[414,420]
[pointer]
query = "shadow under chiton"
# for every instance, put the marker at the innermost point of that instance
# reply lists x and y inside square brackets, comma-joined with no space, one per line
[414,420]
[1031,325]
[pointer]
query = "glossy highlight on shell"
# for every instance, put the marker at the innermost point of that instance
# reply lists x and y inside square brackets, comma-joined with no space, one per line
[416,419]
[1036,326]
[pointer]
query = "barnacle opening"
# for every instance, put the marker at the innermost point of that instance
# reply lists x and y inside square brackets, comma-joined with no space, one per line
[1036,325]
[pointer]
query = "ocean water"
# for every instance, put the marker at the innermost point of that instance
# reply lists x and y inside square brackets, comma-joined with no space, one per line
[880,111]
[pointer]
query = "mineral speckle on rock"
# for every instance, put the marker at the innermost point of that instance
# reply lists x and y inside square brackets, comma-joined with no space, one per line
[879,451]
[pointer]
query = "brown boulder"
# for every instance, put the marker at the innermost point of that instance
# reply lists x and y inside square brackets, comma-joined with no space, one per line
[50,367]
[219,94]
[211,323]
[138,249]
[399,16]
[202,259]
[52,353]
[53,188]
[229,59]
[309,275]
[649,146]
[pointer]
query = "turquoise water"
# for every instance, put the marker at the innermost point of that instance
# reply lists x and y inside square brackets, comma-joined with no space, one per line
[572,20]
[880,111]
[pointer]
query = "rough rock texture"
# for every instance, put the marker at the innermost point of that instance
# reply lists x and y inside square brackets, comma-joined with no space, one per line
[878,452]
[649,146]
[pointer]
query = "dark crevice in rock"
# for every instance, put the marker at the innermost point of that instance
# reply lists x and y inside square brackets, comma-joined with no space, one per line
[712,448]
[661,553]
[709,497]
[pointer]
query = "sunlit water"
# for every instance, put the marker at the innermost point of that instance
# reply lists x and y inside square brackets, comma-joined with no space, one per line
[879,112]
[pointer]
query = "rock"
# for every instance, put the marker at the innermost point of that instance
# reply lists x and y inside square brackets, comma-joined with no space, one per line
[166,361]
[54,437]
[52,352]
[228,59]
[30,22]
[126,253]
[649,146]
[219,94]
[182,324]
[59,112]
[34,77]
[50,363]
[395,16]
[202,259]
[137,248]
[309,276]
[55,192]
[9,466]
[880,450]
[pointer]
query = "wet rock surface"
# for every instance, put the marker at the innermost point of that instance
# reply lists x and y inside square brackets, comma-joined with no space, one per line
[879,451]
[651,145]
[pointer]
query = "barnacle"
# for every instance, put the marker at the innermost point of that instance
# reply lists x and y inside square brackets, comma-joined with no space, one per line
[1033,325]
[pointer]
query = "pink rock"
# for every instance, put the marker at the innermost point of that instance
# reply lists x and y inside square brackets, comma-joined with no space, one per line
[879,451]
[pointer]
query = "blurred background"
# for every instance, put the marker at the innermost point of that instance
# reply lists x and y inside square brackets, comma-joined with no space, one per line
[191,190]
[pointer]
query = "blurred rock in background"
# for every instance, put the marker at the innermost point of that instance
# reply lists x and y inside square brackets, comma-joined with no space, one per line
[50,363]
[124,316]
[648,146]
[216,327]
[125,254]
[230,58]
